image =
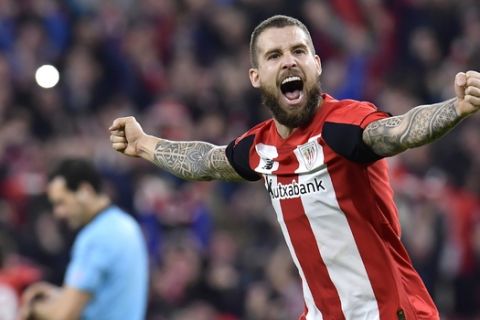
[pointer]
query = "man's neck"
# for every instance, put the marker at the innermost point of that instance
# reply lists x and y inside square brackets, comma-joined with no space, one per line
[97,206]
[283,130]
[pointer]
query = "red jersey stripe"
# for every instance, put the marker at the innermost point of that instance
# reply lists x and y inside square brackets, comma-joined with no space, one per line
[303,241]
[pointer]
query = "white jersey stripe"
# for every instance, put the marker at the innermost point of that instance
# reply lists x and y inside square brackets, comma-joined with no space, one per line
[339,251]
[313,312]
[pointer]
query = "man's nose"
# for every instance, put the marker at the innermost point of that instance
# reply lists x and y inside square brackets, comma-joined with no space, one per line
[289,61]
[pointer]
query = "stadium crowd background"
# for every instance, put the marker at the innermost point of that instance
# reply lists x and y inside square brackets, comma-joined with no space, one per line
[181,68]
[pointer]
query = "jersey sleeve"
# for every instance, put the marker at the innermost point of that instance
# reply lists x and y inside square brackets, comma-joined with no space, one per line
[343,132]
[88,265]
[238,154]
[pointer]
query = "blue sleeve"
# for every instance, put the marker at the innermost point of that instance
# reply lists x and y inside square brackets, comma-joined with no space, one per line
[89,263]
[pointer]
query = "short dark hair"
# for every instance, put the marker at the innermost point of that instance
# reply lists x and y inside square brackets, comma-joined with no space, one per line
[277,21]
[75,172]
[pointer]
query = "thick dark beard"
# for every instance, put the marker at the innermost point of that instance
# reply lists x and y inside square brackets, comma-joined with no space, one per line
[295,120]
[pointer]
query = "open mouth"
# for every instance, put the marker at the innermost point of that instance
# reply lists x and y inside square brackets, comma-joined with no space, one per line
[292,88]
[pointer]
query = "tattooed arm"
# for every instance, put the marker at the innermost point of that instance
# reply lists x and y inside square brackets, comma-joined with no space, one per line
[415,128]
[425,123]
[190,160]
[194,160]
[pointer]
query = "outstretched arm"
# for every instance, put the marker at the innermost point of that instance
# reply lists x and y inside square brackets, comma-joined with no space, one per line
[194,160]
[426,123]
[415,128]
[190,160]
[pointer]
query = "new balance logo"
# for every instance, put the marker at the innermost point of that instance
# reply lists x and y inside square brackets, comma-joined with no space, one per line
[268,164]
[294,189]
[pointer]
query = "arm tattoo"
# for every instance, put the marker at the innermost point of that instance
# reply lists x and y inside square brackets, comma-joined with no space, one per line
[194,160]
[417,127]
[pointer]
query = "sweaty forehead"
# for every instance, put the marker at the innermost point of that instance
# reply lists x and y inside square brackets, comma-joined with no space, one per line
[278,38]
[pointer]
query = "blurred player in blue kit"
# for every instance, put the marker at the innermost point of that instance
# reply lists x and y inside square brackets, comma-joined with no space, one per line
[107,276]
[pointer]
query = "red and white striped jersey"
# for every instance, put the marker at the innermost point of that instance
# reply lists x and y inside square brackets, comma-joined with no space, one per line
[335,207]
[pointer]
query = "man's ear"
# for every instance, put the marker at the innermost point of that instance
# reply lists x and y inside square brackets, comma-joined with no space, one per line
[85,191]
[319,64]
[254,77]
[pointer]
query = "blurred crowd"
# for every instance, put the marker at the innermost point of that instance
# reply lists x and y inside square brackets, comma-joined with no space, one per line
[180,67]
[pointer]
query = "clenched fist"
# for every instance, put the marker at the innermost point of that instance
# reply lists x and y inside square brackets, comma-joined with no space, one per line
[125,134]
[467,90]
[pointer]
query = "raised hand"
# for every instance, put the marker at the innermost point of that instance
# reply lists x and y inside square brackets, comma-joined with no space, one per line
[125,133]
[467,90]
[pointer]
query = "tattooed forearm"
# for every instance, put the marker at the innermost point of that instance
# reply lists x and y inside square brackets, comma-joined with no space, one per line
[194,160]
[220,167]
[419,126]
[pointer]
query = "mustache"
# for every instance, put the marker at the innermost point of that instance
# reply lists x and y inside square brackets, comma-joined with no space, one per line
[300,119]
[289,73]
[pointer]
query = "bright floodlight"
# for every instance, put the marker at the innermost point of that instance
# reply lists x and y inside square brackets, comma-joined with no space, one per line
[47,76]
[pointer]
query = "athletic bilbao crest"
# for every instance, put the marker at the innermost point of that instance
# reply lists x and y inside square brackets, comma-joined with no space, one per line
[309,153]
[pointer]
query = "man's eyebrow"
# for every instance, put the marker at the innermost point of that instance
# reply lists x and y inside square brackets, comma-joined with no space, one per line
[299,46]
[274,50]
[277,50]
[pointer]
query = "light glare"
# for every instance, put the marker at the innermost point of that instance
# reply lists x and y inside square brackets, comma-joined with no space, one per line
[47,76]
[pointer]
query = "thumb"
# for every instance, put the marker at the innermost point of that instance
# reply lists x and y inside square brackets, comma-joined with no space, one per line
[460,84]
[118,123]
